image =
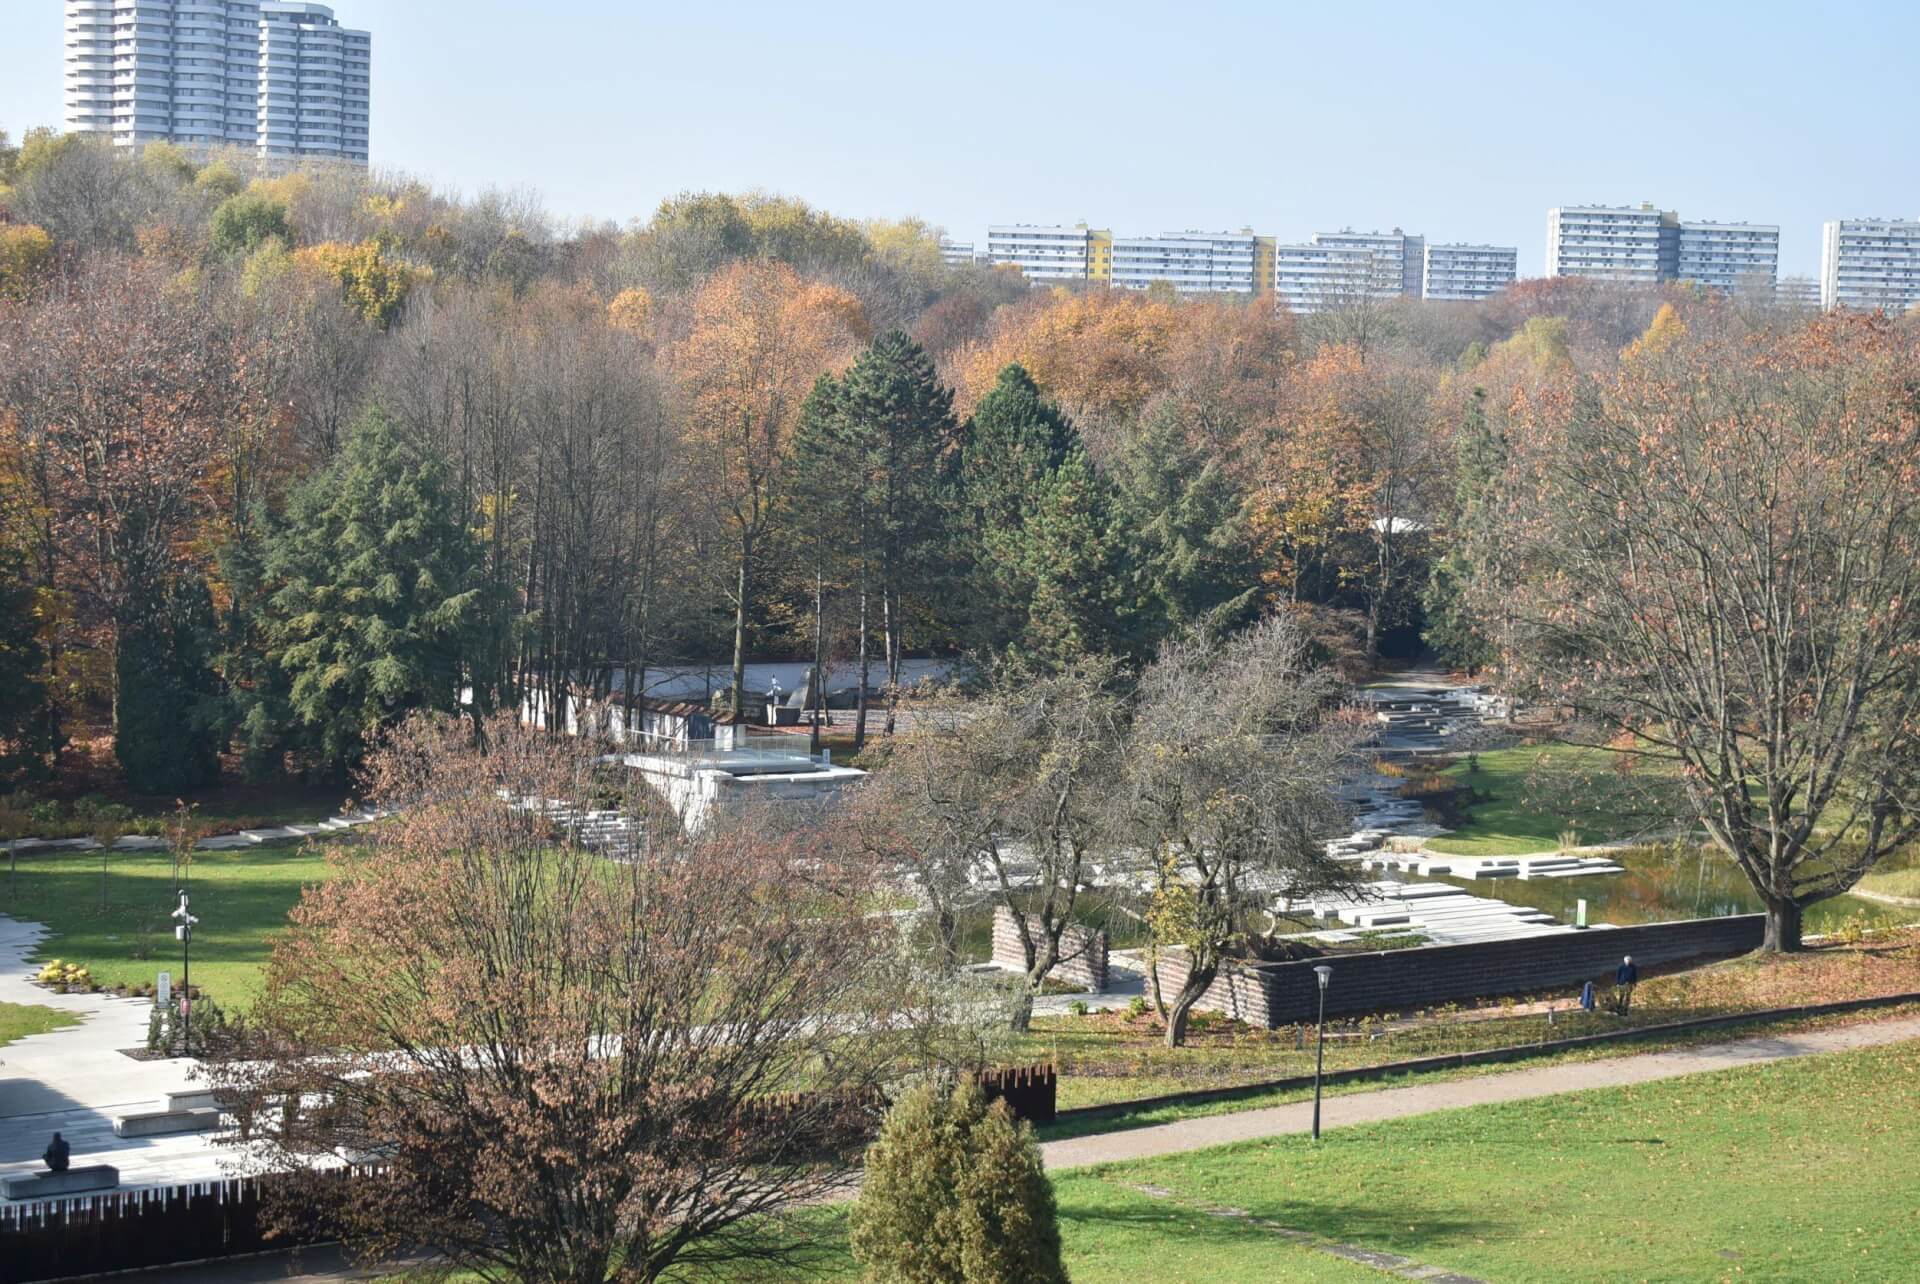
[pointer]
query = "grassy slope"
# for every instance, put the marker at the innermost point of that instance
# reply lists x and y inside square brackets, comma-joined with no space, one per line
[1111,1234]
[1794,1171]
[1537,793]
[241,898]
[1897,881]
[18,1020]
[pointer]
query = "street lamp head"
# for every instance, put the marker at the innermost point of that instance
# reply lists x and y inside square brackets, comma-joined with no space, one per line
[1324,973]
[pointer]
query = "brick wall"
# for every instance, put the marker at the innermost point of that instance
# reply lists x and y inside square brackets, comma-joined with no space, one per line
[1083,951]
[1275,994]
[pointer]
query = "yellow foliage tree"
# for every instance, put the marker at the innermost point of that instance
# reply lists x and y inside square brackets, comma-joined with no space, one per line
[631,310]
[372,282]
[760,335]
[1666,330]
[910,246]
[24,250]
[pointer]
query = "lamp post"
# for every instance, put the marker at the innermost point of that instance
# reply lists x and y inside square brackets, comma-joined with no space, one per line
[1323,974]
[183,929]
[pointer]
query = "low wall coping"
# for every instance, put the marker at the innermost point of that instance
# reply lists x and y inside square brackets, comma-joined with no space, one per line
[70,1182]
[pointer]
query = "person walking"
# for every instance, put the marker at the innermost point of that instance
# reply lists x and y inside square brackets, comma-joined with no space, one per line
[1625,977]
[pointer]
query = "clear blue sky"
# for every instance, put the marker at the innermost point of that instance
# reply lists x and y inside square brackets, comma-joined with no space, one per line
[1462,122]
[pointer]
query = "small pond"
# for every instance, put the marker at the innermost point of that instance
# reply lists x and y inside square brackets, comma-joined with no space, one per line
[1666,883]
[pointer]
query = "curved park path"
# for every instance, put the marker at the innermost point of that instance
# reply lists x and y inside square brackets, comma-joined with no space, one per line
[1423,1098]
[1218,1130]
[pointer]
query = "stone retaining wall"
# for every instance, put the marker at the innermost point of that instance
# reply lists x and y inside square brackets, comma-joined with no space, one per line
[1271,995]
[1083,951]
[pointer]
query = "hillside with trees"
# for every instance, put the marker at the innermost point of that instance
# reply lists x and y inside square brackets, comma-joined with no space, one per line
[286,456]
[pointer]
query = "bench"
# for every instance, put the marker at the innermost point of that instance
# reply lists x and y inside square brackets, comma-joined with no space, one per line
[71,1182]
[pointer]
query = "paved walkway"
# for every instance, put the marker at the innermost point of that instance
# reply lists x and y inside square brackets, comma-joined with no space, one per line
[75,1079]
[324,1263]
[1423,1098]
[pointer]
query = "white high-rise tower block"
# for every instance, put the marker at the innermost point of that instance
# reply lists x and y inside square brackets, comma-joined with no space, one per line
[283,79]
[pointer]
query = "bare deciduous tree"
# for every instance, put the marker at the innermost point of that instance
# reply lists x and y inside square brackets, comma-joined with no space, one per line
[1232,763]
[1713,555]
[1011,796]
[570,1069]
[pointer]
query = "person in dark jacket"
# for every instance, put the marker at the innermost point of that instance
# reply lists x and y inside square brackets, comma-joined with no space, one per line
[1625,977]
[57,1154]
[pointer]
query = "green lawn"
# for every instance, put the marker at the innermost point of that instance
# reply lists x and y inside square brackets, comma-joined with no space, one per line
[1802,1171]
[240,897]
[1113,1235]
[1799,1171]
[1898,875]
[18,1020]
[1534,794]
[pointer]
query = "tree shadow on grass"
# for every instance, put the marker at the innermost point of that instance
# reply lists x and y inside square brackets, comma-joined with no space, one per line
[1194,1224]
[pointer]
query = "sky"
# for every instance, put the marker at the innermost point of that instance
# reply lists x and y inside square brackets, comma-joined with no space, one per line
[1458,122]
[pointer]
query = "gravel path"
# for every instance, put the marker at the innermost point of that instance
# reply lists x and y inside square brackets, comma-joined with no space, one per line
[1419,1099]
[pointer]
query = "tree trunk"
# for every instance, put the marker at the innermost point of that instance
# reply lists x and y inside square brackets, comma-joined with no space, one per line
[1153,981]
[1020,1020]
[947,923]
[1197,982]
[890,609]
[1784,922]
[739,687]
[860,701]
[819,648]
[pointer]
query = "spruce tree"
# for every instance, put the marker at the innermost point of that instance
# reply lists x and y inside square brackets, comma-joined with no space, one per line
[865,492]
[1184,523]
[256,686]
[1075,568]
[896,428]
[25,728]
[814,517]
[1010,450]
[169,716]
[954,1193]
[1014,442]
[375,604]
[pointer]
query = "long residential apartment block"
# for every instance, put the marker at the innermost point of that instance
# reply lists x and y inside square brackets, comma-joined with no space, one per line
[1332,269]
[1190,262]
[1054,252]
[1613,243]
[1468,273]
[1729,256]
[1644,245]
[1870,263]
[1346,266]
[285,79]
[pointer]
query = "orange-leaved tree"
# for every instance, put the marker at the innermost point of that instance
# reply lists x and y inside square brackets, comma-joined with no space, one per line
[760,334]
